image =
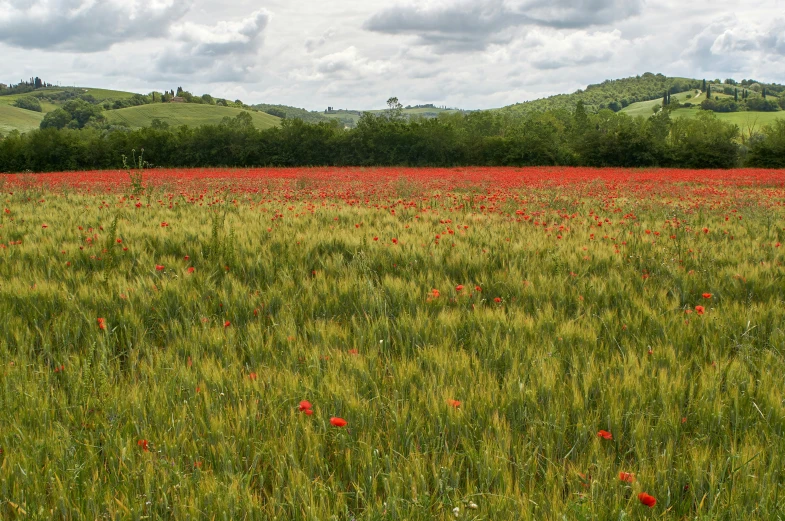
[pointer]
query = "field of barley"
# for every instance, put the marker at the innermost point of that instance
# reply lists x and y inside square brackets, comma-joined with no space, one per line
[393,344]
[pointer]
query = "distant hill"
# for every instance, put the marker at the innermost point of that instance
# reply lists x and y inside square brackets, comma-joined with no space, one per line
[287,112]
[347,117]
[613,94]
[177,114]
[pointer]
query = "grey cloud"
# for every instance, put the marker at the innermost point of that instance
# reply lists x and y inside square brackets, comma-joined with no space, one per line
[85,25]
[226,51]
[727,44]
[465,25]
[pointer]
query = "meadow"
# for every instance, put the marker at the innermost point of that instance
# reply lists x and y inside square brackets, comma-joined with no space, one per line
[178,114]
[391,343]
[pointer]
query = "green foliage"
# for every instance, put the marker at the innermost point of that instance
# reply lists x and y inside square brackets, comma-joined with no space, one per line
[478,138]
[768,150]
[75,114]
[723,105]
[28,103]
[762,105]
[611,94]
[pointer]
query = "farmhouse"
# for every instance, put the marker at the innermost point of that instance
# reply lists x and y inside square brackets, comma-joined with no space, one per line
[3,86]
[177,99]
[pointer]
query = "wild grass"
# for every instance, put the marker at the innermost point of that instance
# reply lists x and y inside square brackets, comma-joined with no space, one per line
[186,405]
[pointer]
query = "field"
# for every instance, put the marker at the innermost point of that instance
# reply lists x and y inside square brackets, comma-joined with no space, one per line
[13,118]
[189,114]
[534,344]
[748,122]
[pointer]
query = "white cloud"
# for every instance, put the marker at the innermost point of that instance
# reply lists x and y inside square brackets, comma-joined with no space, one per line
[225,51]
[85,25]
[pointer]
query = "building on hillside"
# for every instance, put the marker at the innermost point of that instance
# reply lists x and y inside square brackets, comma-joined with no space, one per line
[3,86]
[177,99]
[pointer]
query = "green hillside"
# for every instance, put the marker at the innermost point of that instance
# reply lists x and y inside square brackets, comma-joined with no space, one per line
[12,118]
[350,117]
[746,121]
[178,114]
[292,112]
[614,94]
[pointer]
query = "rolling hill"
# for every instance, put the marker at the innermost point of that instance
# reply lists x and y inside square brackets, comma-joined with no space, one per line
[622,92]
[13,118]
[177,114]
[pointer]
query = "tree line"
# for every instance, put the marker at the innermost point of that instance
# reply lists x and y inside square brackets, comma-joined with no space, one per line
[492,138]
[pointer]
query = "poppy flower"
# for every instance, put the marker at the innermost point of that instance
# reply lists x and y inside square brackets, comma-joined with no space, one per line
[627,477]
[459,287]
[605,435]
[477,289]
[143,444]
[700,310]
[186,257]
[498,300]
[305,405]
[647,500]
[101,323]
[252,376]
[158,267]
[707,295]
[435,293]
[308,412]
[191,269]
[227,324]
[395,241]
[338,422]
[454,403]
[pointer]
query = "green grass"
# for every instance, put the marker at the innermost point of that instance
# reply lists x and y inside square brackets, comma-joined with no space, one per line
[746,121]
[645,108]
[186,405]
[13,118]
[189,114]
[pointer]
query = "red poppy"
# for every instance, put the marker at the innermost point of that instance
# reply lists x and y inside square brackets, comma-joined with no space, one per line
[700,310]
[227,324]
[158,267]
[395,241]
[308,412]
[459,287]
[477,288]
[605,435]
[435,293]
[498,300]
[305,405]
[119,241]
[186,257]
[101,323]
[191,269]
[707,295]
[454,403]
[647,500]
[143,444]
[252,376]
[627,477]
[338,422]
[353,352]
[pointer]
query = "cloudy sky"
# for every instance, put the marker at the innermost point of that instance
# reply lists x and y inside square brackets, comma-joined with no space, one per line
[358,53]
